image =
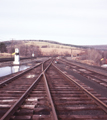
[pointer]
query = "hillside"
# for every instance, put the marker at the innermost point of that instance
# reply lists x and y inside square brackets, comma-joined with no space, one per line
[51,48]
[99,47]
[47,48]
[40,43]
[52,44]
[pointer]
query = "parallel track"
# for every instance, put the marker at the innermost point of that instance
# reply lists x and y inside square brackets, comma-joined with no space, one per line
[5,82]
[15,89]
[71,100]
[52,95]
[90,74]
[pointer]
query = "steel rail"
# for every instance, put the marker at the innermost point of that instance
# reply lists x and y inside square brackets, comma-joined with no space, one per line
[16,105]
[86,74]
[17,76]
[22,73]
[44,63]
[47,66]
[84,68]
[49,94]
[95,99]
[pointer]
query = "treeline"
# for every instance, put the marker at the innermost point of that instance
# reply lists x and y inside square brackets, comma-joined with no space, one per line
[24,50]
[3,47]
[98,56]
[27,50]
[52,42]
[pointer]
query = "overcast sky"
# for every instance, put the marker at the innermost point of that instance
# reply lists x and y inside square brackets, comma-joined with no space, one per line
[78,22]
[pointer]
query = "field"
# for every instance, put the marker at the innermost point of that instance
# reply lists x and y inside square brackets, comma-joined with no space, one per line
[5,55]
[51,48]
[46,47]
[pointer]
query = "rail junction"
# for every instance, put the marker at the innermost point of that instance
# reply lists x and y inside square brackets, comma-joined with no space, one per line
[47,92]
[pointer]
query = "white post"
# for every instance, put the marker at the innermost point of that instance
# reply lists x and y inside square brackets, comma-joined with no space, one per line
[33,55]
[15,68]
[16,57]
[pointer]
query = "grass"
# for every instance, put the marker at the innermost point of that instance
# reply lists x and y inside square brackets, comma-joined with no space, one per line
[5,55]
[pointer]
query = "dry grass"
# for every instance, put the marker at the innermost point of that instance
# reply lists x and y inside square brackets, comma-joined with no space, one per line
[60,51]
[5,55]
[40,44]
[47,51]
[89,62]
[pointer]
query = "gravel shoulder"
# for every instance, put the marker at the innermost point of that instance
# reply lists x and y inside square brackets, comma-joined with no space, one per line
[98,88]
[91,68]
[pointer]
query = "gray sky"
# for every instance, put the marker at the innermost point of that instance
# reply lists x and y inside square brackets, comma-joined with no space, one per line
[78,22]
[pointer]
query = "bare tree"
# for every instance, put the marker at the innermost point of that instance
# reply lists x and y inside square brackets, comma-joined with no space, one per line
[3,47]
[94,55]
[29,50]
[54,53]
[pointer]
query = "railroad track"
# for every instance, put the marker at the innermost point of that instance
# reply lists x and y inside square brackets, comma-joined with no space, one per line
[4,81]
[72,100]
[50,94]
[90,74]
[12,89]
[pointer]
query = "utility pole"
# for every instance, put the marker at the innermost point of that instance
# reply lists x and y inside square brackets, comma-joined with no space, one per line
[26,50]
[11,47]
[11,54]
[71,53]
